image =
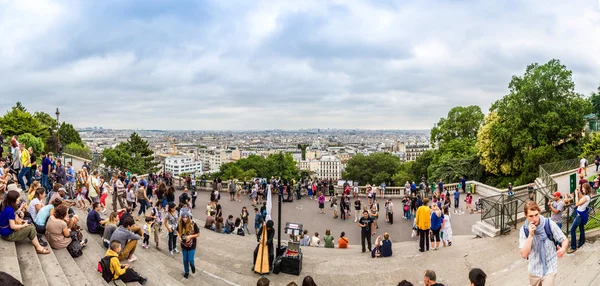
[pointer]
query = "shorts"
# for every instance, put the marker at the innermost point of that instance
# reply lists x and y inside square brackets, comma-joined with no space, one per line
[355,190]
[321,205]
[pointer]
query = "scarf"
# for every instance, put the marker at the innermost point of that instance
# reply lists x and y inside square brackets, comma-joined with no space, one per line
[539,243]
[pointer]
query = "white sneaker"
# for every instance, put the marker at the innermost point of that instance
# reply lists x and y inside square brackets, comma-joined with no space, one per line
[132,259]
[171,252]
[176,251]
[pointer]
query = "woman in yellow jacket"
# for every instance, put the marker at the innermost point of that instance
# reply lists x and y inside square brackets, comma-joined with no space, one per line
[25,168]
[122,272]
[423,222]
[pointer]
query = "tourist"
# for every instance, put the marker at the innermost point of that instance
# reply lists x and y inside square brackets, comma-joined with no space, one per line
[263,281]
[321,201]
[343,241]
[122,272]
[238,192]
[37,202]
[60,173]
[315,241]
[374,214]
[328,239]
[244,215]
[258,221]
[557,207]
[383,248]
[430,278]
[441,186]
[536,245]
[57,231]
[157,215]
[171,223]
[446,229]
[58,192]
[25,172]
[45,171]
[13,228]
[70,173]
[334,205]
[581,218]
[390,210]
[104,193]
[229,225]
[314,190]
[43,214]
[219,225]
[109,228]
[305,241]
[477,277]
[238,227]
[469,201]
[365,223]
[95,224]
[405,283]
[147,228]
[161,195]
[436,225]
[357,208]
[423,223]
[170,196]
[124,234]
[463,184]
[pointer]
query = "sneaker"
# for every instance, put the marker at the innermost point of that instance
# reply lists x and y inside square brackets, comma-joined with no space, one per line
[171,252]
[186,275]
[176,251]
[132,259]
[193,269]
[143,281]
[571,250]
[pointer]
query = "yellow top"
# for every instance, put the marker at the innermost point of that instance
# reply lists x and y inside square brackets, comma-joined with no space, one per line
[25,160]
[115,264]
[423,218]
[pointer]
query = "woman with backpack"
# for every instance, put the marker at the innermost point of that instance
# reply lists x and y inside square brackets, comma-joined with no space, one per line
[188,233]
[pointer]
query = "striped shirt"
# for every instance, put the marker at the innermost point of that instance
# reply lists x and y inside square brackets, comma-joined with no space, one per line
[536,265]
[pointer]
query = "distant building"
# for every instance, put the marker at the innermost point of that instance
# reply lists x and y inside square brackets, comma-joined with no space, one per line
[411,150]
[328,167]
[182,164]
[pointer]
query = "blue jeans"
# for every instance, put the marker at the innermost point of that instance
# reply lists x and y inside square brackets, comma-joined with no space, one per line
[577,223]
[142,203]
[45,183]
[188,259]
[25,172]
[172,240]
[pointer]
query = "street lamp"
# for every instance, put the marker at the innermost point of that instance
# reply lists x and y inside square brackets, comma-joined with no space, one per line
[57,133]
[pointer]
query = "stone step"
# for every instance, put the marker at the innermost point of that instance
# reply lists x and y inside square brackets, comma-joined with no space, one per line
[29,264]
[584,258]
[52,269]
[10,260]
[88,265]
[480,231]
[70,268]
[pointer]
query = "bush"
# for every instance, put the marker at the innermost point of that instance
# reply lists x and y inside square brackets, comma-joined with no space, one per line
[31,141]
[79,151]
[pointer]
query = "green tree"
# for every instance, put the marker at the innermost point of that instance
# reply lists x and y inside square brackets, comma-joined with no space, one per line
[18,121]
[47,120]
[461,123]
[282,165]
[375,168]
[134,155]
[595,102]
[592,147]
[69,135]
[31,141]
[79,151]
[541,109]
[254,162]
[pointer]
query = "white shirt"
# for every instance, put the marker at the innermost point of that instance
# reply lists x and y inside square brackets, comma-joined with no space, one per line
[582,208]
[315,241]
[583,162]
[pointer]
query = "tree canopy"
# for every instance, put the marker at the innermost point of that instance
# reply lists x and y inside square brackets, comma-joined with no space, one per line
[18,121]
[134,155]
[31,141]
[69,135]
[375,168]
[280,165]
[461,123]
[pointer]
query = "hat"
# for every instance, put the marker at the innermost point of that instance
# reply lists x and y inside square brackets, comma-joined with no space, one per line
[557,194]
[62,189]
[186,212]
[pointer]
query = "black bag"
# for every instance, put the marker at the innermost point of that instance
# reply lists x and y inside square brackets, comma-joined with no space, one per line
[240,231]
[76,235]
[104,268]
[75,249]
[277,265]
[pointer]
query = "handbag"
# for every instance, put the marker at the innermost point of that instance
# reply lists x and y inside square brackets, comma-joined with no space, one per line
[75,249]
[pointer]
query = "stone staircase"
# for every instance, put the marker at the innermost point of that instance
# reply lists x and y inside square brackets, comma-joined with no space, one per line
[485,229]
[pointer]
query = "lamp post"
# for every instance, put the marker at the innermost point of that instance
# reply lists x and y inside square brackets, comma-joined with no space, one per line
[57,133]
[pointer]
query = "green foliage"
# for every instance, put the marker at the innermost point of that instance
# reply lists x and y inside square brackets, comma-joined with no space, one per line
[282,165]
[18,121]
[452,169]
[275,165]
[253,162]
[79,151]
[595,102]
[541,109]
[134,155]
[421,165]
[461,123]
[375,168]
[31,141]
[45,119]
[69,135]
[593,147]
[533,159]
[404,174]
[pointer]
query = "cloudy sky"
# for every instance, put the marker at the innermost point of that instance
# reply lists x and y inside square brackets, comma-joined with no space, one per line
[221,64]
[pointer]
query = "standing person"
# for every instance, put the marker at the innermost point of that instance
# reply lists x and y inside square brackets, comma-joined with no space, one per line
[45,172]
[441,186]
[1,144]
[321,201]
[596,162]
[118,194]
[258,221]
[581,218]
[469,201]
[456,200]
[244,215]
[583,165]
[171,223]
[365,233]
[93,187]
[157,215]
[231,189]
[142,199]
[188,233]
[390,208]
[374,214]
[557,207]
[423,223]
[70,179]
[541,250]
[25,172]
[463,184]
[446,229]
[436,225]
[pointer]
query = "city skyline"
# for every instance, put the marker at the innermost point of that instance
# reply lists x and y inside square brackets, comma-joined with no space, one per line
[266,65]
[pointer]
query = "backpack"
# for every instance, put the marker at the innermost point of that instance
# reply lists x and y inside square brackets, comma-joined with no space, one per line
[104,269]
[240,231]
[75,249]
[547,229]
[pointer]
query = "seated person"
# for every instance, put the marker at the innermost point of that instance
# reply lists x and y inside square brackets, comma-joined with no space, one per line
[125,236]
[219,225]
[210,221]
[121,272]
[383,248]
[37,203]
[109,228]
[13,228]
[95,224]
[343,241]
[127,213]
[316,240]
[43,214]
[305,241]
[57,231]
[229,224]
